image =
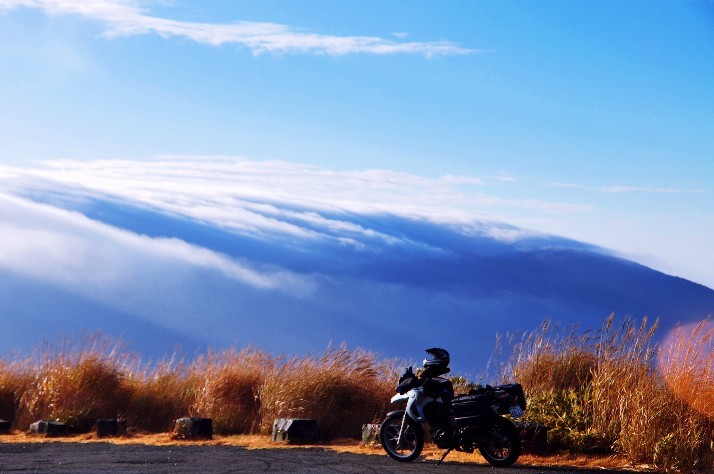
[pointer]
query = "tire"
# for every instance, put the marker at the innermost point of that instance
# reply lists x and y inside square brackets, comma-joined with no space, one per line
[411,442]
[500,443]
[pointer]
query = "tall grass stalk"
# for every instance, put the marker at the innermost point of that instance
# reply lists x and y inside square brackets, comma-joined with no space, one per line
[609,390]
[687,364]
[159,394]
[77,383]
[229,387]
[13,382]
[341,389]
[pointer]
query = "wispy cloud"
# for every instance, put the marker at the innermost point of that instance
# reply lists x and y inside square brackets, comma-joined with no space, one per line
[478,181]
[67,248]
[563,185]
[127,18]
[650,190]
[625,188]
[237,193]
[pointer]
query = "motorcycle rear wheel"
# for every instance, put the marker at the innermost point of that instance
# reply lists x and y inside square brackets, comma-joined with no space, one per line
[500,445]
[410,443]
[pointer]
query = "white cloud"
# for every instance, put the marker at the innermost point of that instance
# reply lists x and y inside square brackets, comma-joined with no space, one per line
[127,18]
[563,185]
[621,189]
[322,270]
[644,189]
[477,181]
[304,206]
[240,194]
[89,257]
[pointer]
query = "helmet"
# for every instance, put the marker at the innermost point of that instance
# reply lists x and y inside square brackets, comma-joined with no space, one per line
[437,358]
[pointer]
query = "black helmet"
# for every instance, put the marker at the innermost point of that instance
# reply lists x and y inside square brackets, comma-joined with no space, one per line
[437,358]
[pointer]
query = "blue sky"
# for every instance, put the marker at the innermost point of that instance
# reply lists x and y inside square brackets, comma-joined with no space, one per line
[591,120]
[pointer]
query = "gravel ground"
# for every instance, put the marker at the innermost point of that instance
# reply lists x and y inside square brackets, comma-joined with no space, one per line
[99,457]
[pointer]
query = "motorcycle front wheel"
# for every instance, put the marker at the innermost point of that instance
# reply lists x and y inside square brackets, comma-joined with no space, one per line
[406,447]
[500,444]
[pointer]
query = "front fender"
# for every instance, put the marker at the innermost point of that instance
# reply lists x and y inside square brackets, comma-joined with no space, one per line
[400,414]
[395,413]
[399,397]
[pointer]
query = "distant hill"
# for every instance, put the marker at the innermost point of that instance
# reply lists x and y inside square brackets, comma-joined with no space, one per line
[391,284]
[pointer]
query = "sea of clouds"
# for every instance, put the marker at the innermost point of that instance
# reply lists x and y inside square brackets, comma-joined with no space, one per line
[224,251]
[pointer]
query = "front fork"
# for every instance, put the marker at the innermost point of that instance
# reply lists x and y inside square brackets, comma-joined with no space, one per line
[401,428]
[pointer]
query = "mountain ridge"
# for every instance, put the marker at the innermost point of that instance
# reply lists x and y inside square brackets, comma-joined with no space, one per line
[387,283]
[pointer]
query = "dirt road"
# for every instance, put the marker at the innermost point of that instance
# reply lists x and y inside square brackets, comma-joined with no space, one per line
[70,457]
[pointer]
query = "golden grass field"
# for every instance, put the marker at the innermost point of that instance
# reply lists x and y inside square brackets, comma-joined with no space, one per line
[610,396]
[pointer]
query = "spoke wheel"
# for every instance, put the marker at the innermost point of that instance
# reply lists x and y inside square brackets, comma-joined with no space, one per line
[401,444]
[501,443]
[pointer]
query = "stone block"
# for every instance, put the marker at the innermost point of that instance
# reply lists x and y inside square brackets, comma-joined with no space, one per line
[370,433]
[111,427]
[49,428]
[5,427]
[295,430]
[193,428]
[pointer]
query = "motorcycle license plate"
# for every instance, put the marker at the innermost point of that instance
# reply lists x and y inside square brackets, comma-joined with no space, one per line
[516,411]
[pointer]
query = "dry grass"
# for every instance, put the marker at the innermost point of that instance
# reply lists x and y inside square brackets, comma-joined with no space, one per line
[12,382]
[607,390]
[76,383]
[610,392]
[549,359]
[159,395]
[687,364]
[242,391]
[229,387]
[340,389]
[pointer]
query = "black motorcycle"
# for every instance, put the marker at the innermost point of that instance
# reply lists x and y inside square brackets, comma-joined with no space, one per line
[463,423]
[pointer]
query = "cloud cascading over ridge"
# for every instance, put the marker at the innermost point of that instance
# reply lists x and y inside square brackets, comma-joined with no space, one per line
[221,250]
[196,242]
[226,190]
[127,18]
[67,248]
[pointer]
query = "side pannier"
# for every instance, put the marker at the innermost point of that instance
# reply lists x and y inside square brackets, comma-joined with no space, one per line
[466,406]
[516,390]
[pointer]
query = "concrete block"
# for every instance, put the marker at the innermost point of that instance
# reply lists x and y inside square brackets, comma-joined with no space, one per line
[5,427]
[295,430]
[370,433]
[111,427]
[49,428]
[193,428]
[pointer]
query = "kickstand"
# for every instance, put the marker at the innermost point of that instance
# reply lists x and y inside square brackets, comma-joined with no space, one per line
[444,455]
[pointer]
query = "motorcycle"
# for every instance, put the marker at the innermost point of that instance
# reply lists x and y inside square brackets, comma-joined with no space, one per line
[463,423]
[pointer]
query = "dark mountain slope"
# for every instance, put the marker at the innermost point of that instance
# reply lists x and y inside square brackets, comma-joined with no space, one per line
[33,312]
